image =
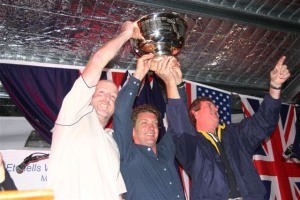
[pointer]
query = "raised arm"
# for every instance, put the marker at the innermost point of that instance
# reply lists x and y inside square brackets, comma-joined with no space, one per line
[92,72]
[168,70]
[256,128]
[179,125]
[122,123]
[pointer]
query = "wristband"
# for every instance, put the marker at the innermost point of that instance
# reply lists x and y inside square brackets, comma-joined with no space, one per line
[275,88]
[182,84]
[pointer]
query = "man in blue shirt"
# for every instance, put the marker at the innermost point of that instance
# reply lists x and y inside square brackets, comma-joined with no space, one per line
[218,158]
[148,168]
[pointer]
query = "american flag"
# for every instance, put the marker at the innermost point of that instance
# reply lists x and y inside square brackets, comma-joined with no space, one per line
[280,176]
[221,98]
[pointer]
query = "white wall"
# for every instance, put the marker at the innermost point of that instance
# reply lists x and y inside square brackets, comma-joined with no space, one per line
[14,132]
[235,118]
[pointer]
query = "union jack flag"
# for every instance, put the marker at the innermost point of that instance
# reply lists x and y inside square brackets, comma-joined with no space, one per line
[280,176]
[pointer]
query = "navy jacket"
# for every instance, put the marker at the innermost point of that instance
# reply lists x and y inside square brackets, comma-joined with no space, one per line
[202,162]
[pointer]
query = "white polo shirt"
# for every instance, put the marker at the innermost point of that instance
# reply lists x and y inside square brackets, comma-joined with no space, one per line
[84,160]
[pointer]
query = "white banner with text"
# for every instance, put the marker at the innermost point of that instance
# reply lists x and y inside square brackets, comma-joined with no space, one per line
[28,168]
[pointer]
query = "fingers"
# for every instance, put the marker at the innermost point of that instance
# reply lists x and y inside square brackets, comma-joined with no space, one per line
[280,73]
[279,67]
[127,27]
[132,29]
[282,68]
[137,32]
[168,69]
[143,66]
[147,59]
[176,71]
[279,64]
[284,72]
[147,56]
[280,61]
[164,64]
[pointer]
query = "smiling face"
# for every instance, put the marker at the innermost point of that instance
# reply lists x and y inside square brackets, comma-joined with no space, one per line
[145,120]
[145,131]
[103,100]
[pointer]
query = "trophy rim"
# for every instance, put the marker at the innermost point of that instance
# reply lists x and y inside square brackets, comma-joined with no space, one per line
[171,15]
[159,14]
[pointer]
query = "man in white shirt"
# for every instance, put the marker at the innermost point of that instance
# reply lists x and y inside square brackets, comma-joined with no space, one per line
[84,160]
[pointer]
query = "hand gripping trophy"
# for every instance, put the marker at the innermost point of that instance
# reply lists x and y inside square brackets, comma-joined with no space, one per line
[163,34]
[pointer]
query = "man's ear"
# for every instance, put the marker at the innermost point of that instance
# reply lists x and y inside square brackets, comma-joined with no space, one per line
[194,113]
[133,134]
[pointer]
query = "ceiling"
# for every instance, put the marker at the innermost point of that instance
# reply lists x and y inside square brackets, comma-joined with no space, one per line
[230,44]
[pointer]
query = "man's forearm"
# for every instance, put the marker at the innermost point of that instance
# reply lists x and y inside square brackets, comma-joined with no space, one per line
[102,56]
[274,92]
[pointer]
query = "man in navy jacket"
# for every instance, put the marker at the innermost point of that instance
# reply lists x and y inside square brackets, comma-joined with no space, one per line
[218,158]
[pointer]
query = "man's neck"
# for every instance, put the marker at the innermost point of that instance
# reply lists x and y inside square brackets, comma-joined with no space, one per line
[207,126]
[102,121]
[210,129]
[154,149]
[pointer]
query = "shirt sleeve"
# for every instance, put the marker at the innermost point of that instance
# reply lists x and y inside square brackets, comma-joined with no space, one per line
[76,103]
[122,123]
[182,131]
[178,124]
[253,130]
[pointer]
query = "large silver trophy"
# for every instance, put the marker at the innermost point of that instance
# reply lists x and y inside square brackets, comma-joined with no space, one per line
[164,34]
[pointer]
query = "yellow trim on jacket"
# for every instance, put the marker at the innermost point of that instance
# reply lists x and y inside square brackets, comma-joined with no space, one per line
[209,138]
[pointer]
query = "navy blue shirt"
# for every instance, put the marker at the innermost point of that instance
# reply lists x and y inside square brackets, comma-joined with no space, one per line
[148,176]
[202,162]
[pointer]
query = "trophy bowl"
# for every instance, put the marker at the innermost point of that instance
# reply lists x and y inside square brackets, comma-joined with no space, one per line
[164,34]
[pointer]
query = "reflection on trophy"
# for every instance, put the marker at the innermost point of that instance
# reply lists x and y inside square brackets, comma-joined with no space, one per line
[164,34]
